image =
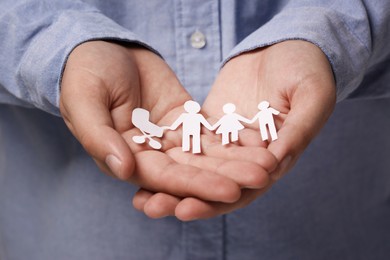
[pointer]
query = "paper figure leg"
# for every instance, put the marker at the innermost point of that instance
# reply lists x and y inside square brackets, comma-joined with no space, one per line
[234,136]
[185,143]
[263,132]
[272,131]
[225,138]
[196,144]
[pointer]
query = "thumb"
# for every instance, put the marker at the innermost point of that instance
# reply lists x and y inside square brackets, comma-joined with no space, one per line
[310,107]
[88,117]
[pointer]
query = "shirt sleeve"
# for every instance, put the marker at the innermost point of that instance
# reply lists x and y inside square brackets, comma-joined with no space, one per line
[353,34]
[36,39]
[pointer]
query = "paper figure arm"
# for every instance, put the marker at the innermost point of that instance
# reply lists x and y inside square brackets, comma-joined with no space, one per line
[215,126]
[244,119]
[175,124]
[254,119]
[206,124]
[274,111]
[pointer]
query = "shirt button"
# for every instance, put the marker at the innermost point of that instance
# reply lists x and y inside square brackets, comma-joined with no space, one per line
[198,40]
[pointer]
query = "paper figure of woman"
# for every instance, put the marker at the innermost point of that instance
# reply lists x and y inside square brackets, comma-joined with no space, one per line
[230,124]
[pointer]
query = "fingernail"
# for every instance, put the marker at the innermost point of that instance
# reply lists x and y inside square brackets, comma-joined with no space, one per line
[114,164]
[282,168]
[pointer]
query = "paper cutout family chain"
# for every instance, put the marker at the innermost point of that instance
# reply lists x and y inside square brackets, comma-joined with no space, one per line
[191,122]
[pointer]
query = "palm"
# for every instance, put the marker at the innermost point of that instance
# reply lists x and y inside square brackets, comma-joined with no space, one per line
[296,79]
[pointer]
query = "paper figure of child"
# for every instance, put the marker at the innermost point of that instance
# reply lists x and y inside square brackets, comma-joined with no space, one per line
[230,124]
[191,123]
[265,117]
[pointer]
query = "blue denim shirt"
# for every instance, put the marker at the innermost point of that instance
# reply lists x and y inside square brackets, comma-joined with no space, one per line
[54,202]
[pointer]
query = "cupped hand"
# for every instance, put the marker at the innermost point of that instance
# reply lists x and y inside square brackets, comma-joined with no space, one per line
[295,77]
[297,80]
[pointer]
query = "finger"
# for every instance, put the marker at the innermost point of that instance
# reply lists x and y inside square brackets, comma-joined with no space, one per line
[161,205]
[251,137]
[156,171]
[258,155]
[309,112]
[140,198]
[155,205]
[104,168]
[193,209]
[245,173]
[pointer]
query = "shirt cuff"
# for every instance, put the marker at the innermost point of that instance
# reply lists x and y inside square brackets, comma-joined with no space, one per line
[45,59]
[326,29]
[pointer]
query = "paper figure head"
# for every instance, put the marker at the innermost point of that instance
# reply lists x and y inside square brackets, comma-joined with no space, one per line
[263,105]
[191,107]
[229,108]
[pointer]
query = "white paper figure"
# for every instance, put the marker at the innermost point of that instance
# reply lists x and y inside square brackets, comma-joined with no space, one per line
[265,117]
[140,119]
[191,123]
[230,124]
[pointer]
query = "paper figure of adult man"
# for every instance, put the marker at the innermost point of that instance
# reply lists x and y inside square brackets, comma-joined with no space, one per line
[191,122]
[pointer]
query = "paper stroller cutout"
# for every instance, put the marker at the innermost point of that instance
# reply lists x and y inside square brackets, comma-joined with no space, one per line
[140,119]
[191,121]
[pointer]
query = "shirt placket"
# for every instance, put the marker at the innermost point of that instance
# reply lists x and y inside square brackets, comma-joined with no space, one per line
[198,45]
[198,48]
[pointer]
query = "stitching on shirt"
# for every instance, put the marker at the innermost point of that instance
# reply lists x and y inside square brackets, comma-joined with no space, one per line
[181,46]
[219,28]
